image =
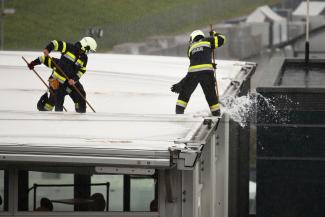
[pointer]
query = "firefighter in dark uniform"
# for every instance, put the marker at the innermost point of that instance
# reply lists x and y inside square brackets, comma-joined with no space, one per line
[201,70]
[47,103]
[73,62]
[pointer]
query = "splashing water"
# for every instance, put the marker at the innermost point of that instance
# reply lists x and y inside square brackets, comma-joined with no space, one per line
[243,109]
[239,109]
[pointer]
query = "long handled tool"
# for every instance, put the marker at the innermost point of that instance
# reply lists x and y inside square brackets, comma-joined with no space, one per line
[51,91]
[214,69]
[74,86]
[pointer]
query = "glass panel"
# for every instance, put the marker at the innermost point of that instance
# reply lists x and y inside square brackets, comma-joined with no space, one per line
[2,190]
[252,198]
[50,195]
[51,191]
[143,194]
[252,172]
[115,202]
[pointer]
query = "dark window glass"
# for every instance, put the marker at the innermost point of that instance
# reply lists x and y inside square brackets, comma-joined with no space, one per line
[64,191]
[42,191]
[3,191]
[142,195]
[113,191]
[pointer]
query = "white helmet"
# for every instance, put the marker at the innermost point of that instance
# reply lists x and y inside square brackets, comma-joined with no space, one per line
[88,44]
[196,33]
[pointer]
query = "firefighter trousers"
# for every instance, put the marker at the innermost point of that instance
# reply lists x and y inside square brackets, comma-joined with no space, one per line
[207,81]
[65,89]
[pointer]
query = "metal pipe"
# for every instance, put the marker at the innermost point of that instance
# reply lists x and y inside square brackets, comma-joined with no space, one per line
[34,188]
[226,164]
[107,195]
[68,185]
[214,65]
[307,35]
[307,22]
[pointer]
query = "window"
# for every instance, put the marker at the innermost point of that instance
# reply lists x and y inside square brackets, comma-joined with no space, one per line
[115,190]
[143,194]
[78,189]
[136,194]
[47,185]
[45,191]
[3,191]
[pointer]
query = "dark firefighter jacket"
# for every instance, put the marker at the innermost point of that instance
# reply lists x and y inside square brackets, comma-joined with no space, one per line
[47,61]
[200,52]
[73,64]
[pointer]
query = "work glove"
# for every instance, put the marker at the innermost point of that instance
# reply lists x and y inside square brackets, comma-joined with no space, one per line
[32,64]
[71,82]
[177,88]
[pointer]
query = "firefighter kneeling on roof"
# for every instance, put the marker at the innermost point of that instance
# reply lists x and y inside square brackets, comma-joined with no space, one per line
[73,62]
[201,70]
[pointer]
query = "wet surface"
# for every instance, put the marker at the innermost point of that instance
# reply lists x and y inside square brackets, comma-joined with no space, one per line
[293,76]
[303,77]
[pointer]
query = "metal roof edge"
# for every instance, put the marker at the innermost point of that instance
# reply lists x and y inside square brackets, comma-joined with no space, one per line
[245,73]
[186,153]
[86,160]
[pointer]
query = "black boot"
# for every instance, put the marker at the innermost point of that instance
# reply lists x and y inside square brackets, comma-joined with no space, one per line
[216,113]
[80,107]
[41,102]
[180,110]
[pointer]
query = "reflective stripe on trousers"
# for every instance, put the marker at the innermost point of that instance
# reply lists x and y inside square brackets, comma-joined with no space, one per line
[215,107]
[202,67]
[48,107]
[181,103]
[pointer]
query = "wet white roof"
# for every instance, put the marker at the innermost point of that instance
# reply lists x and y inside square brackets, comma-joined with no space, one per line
[132,98]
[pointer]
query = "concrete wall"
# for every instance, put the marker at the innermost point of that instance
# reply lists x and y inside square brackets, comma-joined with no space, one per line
[262,29]
[242,43]
[296,28]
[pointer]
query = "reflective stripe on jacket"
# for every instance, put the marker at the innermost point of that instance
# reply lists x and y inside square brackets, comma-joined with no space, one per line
[200,53]
[72,62]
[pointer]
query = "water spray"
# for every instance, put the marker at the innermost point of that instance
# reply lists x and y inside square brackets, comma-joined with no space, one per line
[244,109]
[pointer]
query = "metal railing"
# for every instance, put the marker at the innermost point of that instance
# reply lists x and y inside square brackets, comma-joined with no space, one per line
[35,186]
